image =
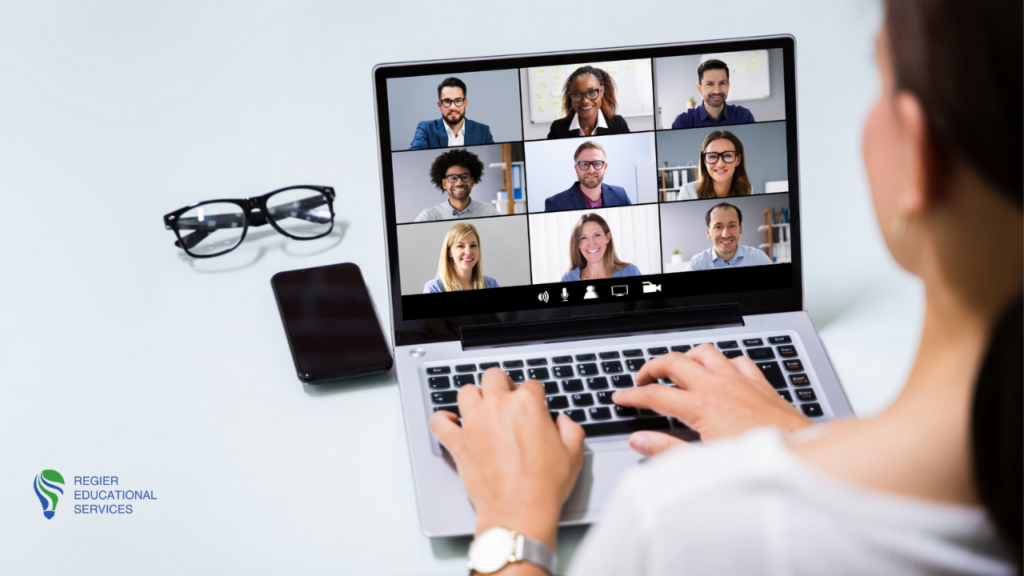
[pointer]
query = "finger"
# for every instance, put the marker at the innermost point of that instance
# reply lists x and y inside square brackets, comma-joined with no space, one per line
[469,398]
[661,399]
[747,367]
[572,435]
[651,443]
[496,381]
[534,390]
[709,357]
[678,368]
[445,426]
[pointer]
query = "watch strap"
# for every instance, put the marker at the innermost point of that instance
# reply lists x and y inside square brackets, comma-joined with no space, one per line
[536,552]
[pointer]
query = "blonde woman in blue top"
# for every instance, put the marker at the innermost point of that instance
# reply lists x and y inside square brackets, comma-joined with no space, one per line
[461,266]
[592,252]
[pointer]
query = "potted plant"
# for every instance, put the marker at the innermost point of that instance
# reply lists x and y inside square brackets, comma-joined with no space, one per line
[677,256]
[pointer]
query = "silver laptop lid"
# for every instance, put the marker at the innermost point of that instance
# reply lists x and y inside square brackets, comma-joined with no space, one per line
[580,191]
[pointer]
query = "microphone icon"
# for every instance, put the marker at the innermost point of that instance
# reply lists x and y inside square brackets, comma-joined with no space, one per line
[565,295]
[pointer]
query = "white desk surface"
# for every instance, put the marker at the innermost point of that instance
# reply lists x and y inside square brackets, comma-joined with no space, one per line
[122,357]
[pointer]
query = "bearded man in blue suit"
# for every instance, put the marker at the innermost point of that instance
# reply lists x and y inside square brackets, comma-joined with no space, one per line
[452,128]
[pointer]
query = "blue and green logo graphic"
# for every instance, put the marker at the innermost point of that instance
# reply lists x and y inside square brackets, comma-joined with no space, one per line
[47,484]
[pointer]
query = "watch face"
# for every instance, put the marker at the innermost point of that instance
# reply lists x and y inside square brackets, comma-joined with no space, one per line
[491,550]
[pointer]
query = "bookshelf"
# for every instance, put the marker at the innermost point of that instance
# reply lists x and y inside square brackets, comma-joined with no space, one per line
[775,227]
[671,180]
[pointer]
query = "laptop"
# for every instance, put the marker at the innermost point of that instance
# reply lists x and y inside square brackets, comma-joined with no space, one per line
[561,216]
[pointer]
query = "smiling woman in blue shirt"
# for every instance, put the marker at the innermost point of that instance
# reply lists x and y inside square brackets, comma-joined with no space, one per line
[592,252]
[461,264]
[713,86]
[725,226]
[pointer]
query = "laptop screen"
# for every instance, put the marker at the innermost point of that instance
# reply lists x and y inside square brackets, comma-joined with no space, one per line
[558,185]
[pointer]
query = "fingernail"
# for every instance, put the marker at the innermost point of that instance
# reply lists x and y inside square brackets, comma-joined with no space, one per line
[640,443]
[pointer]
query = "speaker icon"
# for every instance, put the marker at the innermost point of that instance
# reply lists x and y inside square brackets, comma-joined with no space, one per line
[543,296]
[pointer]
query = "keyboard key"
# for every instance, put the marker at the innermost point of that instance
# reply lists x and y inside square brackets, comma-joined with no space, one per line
[516,375]
[587,369]
[605,398]
[679,425]
[634,365]
[563,372]
[572,385]
[806,395]
[562,359]
[598,383]
[586,399]
[439,382]
[657,351]
[793,365]
[624,426]
[466,368]
[450,397]
[728,345]
[600,413]
[785,394]
[452,409]
[464,380]
[608,355]
[787,351]
[682,348]
[799,379]
[554,416]
[732,353]
[633,353]
[577,415]
[760,353]
[611,367]
[773,374]
[622,381]
[558,403]
[439,370]
[625,411]
[512,364]
[585,357]
[537,362]
[538,373]
[646,412]
[753,342]
[550,387]
[485,366]
[780,340]
[813,409]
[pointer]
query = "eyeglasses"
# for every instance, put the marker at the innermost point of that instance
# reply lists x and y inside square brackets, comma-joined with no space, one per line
[453,178]
[578,96]
[448,103]
[728,157]
[298,212]
[597,164]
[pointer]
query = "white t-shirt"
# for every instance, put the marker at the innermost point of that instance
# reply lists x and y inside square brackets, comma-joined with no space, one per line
[749,505]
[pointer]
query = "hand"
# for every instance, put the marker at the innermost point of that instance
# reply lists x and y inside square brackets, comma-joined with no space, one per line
[516,465]
[713,395]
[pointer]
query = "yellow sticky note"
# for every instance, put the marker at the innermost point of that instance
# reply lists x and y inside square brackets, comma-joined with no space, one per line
[631,63]
[556,91]
[556,78]
[540,71]
[539,96]
[553,103]
[556,68]
[541,109]
[542,84]
[613,66]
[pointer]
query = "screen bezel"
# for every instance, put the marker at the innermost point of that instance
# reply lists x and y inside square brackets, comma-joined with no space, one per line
[446,328]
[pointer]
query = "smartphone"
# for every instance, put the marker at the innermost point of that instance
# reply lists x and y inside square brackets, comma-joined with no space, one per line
[331,325]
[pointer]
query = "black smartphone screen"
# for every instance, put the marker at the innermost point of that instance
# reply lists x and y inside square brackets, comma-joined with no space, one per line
[332,328]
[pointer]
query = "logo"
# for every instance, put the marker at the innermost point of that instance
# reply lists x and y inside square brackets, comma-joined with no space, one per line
[543,296]
[650,287]
[47,483]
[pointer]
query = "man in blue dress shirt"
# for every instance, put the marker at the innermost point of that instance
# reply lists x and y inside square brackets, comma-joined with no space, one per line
[713,85]
[452,128]
[725,226]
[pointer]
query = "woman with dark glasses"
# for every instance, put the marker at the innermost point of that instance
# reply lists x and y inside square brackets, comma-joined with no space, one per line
[588,100]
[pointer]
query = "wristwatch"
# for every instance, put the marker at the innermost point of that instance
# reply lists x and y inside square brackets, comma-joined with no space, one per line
[498,546]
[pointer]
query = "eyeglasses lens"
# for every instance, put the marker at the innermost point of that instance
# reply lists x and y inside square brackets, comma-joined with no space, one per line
[301,212]
[210,229]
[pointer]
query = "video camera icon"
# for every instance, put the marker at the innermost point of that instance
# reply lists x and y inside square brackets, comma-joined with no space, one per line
[650,287]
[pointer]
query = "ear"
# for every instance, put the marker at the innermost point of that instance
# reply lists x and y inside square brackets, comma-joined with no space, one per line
[708,230]
[699,89]
[918,154]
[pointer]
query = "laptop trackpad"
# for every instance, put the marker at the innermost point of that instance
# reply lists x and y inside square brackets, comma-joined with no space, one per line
[602,467]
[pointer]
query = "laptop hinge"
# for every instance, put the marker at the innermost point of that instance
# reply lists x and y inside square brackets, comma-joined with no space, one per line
[600,326]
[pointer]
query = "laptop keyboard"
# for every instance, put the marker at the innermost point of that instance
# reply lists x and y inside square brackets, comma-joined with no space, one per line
[581,385]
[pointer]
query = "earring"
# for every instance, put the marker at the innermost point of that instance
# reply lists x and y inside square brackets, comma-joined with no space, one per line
[898,226]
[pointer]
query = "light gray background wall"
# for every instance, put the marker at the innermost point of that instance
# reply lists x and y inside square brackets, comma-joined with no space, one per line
[414,191]
[683,226]
[549,166]
[504,250]
[675,82]
[764,150]
[493,100]
[540,131]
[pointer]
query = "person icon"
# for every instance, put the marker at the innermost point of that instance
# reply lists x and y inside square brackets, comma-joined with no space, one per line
[591,293]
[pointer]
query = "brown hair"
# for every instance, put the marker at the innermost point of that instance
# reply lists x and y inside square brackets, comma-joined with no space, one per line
[711,65]
[589,145]
[723,206]
[446,266]
[933,46]
[611,261]
[740,182]
[608,102]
